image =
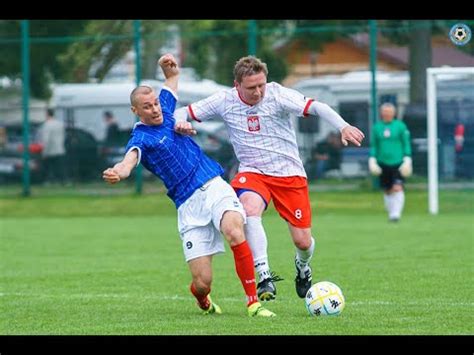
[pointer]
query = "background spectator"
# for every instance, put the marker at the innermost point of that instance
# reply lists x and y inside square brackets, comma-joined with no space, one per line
[325,156]
[52,136]
[112,135]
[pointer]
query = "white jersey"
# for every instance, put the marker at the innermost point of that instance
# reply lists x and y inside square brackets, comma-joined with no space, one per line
[263,135]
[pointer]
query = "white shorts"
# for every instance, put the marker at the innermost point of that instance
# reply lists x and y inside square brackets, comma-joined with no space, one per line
[199,218]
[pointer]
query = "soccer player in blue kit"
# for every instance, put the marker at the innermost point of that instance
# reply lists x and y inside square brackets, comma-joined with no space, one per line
[206,204]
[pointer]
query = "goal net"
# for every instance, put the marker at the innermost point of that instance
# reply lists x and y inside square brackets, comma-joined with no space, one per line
[450,127]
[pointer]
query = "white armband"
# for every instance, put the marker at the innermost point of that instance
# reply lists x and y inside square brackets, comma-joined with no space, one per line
[327,113]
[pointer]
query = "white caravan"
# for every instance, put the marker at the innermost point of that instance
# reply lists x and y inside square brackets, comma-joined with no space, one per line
[82,105]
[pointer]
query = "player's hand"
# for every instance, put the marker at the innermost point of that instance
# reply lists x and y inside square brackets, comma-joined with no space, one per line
[406,169]
[352,134]
[185,128]
[374,168]
[169,65]
[111,176]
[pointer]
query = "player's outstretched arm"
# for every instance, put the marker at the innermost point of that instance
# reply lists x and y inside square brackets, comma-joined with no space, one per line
[121,170]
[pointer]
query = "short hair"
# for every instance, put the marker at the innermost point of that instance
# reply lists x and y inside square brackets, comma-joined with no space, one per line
[50,112]
[247,66]
[388,105]
[139,90]
[108,114]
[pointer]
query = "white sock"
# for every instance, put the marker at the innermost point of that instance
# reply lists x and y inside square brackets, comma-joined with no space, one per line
[390,205]
[257,239]
[398,203]
[303,257]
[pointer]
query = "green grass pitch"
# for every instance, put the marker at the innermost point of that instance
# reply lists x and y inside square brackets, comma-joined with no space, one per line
[114,265]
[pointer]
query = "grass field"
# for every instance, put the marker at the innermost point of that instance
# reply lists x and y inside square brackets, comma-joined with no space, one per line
[114,265]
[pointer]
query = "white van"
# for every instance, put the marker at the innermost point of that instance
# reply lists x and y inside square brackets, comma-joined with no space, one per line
[82,105]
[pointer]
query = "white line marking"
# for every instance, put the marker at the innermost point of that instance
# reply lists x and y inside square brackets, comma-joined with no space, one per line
[226,299]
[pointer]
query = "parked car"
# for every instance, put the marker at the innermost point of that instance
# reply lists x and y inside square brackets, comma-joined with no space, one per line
[83,161]
[112,153]
[11,155]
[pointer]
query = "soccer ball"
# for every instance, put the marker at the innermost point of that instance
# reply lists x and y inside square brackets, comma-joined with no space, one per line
[460,33]
[324,299]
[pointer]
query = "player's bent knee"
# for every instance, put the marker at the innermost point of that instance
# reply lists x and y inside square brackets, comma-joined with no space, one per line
[253,211]
[231,219]
[235,236]
[253,204]
[232,226]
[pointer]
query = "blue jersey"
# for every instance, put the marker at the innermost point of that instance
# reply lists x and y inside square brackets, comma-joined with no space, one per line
[176,159]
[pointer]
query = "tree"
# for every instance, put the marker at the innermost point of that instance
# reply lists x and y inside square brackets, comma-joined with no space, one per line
[419,47]
[417,35]
[156,34]
[44,65]
[99,53]
[213,46]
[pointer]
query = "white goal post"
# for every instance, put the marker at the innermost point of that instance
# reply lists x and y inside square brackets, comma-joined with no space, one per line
[431,98]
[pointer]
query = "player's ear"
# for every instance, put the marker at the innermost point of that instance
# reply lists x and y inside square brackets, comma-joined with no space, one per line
[133,109]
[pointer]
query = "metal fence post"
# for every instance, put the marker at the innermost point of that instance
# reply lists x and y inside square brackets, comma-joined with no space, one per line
[138,78]
[373,71]
[25,89]
[252,37]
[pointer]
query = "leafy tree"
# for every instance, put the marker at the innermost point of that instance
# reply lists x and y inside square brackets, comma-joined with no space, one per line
[113,39]
[315,33]
[44,65]
[213,46]
[156,34]
[417,35]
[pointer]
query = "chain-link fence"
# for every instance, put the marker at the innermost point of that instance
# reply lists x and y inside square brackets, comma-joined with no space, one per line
[85,71]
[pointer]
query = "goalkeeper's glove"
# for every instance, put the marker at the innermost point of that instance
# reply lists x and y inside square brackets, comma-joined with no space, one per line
[374,168]
[406,169]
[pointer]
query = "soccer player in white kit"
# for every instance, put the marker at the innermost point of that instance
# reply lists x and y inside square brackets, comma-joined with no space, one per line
[258,117]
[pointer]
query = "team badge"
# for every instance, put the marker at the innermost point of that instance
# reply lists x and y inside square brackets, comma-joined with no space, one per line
[386,133]
[253,123]
[242,179]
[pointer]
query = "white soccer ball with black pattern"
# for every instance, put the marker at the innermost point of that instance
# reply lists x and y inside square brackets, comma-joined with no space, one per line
[460,34]
[324,299]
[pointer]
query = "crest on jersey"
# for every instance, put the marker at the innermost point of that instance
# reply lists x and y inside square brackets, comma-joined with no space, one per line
[386,133]
[253,123]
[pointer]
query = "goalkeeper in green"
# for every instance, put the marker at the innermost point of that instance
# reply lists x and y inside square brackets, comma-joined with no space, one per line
[390,159]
